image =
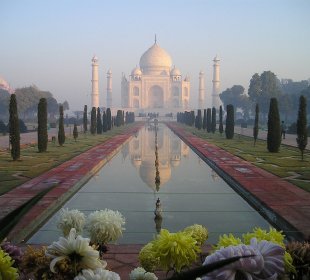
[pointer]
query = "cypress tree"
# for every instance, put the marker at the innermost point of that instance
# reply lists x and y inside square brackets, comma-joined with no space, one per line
[14,128]
[85,119]
[209,124]
[61,129]
[42,125]
[204,122]
[93,121]
[104,122]
[255,128]
[109,119]
[119,116]
[99,122]
[302,135]
[213,122]
[199,120]
[75,132]
[192,118]
[230,122]
[274,128]
[221,129]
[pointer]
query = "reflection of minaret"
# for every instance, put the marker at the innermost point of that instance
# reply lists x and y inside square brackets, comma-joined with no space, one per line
[201,97]
[109,89]
[95,86]
[216,102]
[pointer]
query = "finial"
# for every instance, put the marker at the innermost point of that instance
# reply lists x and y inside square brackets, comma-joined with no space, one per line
[155,39]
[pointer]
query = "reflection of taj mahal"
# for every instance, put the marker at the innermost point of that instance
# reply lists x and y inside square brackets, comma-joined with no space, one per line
[155,84]
[170,150]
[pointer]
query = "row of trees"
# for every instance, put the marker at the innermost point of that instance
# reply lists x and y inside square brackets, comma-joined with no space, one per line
[261,89]
[27,99]
[208,123]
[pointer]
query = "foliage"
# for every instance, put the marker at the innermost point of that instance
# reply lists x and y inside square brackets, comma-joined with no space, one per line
[302,134]
[209,121]
[230,122]
[99,121]
[119,118]
[61,129]
[199,120]
[105,226]
[3,128]
[69,219]
[213,120]
[255,128]
[221,129]
[104,122]
[204,122]
[93,121]
[274,128]
[85,119]
[109,119]
[42,126]
[300,252]
[14,128]
[75,132]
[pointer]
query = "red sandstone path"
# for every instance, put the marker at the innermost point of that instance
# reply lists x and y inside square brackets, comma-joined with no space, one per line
[292,203]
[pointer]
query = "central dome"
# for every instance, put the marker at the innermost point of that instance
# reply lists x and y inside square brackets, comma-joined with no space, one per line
[155,60]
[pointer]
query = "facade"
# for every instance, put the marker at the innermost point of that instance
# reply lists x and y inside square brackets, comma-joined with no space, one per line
[201,96]
[155,84]
[109,89]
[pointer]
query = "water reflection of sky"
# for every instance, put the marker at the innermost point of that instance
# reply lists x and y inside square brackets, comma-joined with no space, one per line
[190,192]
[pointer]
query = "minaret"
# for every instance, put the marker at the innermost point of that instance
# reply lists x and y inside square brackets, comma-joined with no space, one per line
[94,81]
[109,89]
[216,102]
[201,98]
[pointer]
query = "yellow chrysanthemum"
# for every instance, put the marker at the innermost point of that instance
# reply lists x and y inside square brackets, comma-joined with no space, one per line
[227,240]
[175,250]
[148,260]
[7,271]
[198,232]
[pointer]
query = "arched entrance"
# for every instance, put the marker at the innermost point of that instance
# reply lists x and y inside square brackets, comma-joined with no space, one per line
[156,97]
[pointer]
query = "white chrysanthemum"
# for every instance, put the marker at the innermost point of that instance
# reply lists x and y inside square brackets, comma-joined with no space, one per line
[98,274]
[140,273]
[75,248]
[105,226]
[71,219]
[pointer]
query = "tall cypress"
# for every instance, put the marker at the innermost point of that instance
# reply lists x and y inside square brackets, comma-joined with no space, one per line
[302,135]
[99,122]
[75,132]
[230,122]
[204,121]
[255,128]
[14,128]
[199,120]
[61,129]
[85,119]
[274,128]
[221,129]
[209,123]
[213,122]
[93,121]
[104,122]
[109,119]
[42,125]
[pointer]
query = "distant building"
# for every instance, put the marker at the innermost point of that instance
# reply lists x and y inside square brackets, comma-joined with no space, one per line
[155,84]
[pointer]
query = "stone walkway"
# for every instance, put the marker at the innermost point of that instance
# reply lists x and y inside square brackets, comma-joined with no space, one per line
[278,199]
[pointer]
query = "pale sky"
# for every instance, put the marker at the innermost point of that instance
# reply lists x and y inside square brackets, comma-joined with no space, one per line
[51,43]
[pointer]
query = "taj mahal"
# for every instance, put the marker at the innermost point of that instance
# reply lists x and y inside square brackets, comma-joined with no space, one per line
[156,85]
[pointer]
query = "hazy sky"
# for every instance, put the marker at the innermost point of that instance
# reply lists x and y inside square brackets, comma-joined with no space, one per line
[51,43]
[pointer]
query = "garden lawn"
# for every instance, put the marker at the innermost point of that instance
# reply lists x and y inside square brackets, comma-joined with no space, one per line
[286,164]
[32,163]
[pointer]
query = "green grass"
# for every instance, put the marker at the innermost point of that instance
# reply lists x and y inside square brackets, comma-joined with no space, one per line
[32,163]
[282,164]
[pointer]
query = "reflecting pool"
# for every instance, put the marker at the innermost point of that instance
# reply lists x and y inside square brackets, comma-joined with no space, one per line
[190,192]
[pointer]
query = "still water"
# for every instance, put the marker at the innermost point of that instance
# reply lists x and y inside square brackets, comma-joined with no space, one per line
[190,192]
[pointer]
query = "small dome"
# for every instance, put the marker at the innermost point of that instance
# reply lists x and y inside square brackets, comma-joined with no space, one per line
[94,59]
[109,71]
[175,72]
[136,72]
[155,59]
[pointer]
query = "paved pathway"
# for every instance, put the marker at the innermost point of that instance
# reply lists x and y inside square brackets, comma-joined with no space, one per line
[278,200]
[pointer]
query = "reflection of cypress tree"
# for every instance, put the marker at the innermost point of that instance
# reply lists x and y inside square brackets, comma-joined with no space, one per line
[157,176]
